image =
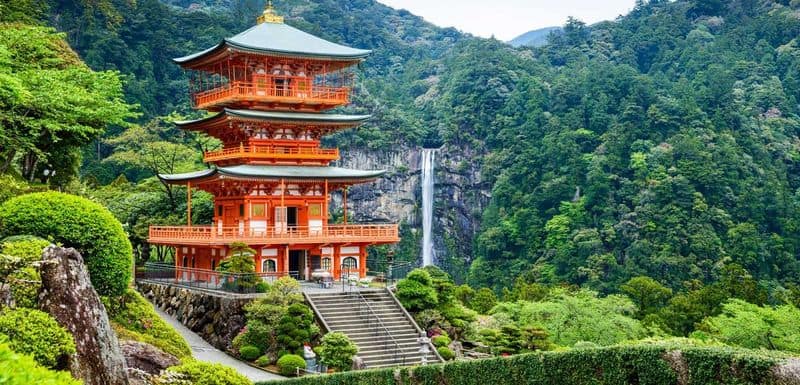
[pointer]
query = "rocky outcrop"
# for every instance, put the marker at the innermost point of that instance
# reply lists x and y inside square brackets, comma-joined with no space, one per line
[461,194]
[146,357]
[216,317]
[67,294]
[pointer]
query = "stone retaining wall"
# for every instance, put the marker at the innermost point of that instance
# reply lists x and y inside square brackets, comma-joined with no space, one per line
[216,317]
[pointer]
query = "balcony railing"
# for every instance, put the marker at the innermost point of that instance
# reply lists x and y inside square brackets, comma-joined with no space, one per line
[274,89]
[274,154]
[213,235]
[208,279]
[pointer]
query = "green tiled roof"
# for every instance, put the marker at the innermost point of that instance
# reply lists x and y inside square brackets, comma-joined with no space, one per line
[281,116]
[276,172]
[282,39]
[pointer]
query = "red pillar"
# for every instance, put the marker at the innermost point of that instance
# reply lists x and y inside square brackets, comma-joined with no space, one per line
[337,267]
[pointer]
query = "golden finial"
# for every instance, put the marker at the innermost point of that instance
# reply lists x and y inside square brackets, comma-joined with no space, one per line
[269,15]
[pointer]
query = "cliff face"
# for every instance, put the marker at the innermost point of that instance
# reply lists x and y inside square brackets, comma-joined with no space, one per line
[459,197]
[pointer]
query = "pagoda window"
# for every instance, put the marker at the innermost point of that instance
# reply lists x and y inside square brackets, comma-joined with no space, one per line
[269,266]
[258,210]
[326,264]
[350,263]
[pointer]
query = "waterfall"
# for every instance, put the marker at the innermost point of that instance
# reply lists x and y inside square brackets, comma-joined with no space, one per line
[428,158]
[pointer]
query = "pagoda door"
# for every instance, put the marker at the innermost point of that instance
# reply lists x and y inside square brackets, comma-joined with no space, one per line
[280,220]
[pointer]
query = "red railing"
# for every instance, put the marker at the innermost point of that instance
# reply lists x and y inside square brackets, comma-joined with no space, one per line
[211,235]
[273,153]
[274,89]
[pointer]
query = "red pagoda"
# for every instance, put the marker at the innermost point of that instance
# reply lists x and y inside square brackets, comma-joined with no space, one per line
[268,88]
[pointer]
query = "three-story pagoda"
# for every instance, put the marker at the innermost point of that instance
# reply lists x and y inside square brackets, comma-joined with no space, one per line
[268,88]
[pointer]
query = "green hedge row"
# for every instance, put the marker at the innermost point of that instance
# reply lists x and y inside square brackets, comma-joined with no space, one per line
[644,365]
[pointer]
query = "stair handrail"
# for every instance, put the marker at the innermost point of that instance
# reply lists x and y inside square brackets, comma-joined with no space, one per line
[316,311]
[397,350]
[411,319]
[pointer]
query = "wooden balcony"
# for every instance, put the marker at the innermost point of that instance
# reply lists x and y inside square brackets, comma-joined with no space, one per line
[292,91]
[211,235]
[271,154]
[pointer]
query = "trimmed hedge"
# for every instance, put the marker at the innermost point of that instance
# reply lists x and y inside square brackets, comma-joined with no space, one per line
[37,333]
[21,369]
[619,365]
[75,222]
[205,373]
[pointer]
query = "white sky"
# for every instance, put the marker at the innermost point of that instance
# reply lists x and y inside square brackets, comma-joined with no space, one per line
[507,19]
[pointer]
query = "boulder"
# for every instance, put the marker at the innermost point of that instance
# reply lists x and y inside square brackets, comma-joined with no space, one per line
[67,294]
[146,357]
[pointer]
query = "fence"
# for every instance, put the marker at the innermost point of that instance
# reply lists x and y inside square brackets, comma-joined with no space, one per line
[208,279]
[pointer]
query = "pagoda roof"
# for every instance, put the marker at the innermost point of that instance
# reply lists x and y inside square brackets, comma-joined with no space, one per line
[281,40]
[261,172]
[274,116]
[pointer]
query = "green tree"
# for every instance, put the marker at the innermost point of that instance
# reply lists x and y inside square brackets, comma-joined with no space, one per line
[51,103]
[647,294]
[484,300]
[752,326]
[416,291]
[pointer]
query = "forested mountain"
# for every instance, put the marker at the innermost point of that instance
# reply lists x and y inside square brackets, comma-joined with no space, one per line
[664,143]
[534,38]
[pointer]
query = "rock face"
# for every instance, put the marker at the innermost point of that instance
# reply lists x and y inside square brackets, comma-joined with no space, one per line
[67,294]
[460,195]
[146,357]
[217,318]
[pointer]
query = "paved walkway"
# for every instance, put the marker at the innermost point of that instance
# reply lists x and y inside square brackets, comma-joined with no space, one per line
[203,351]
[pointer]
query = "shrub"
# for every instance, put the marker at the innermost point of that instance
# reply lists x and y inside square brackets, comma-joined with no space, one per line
[483,301]
[36,333]
[249,352]
[79,223]
[24,285]
[440,341]
[464,294]
[295,328]
[263,360]
[446,353]
[27,247]
[416,291]
[602,366]
[20,369]
[135,319]
[204,373]
[288,364]
[240,261]
[337,351]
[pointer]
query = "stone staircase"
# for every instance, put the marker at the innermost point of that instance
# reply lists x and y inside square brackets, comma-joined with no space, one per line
[375,321]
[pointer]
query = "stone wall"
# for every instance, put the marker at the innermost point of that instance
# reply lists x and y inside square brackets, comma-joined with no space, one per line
[217,317]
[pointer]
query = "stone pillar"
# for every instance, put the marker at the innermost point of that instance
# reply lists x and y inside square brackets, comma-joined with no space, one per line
[67,294]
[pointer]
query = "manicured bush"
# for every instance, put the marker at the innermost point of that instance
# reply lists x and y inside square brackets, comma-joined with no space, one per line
[337,351]
[21,369]
[24,285]
[446,353]
[27,247]
[204,373]
[440,341]
[240,261]
[416,291]
[295,328]
[603,366]
[37,333]
[263,361]
[135,319]
[75,222]
[483,301]
[288,364]
[249,352]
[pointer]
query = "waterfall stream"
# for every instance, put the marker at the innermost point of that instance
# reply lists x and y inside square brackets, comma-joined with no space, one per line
[428,158]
